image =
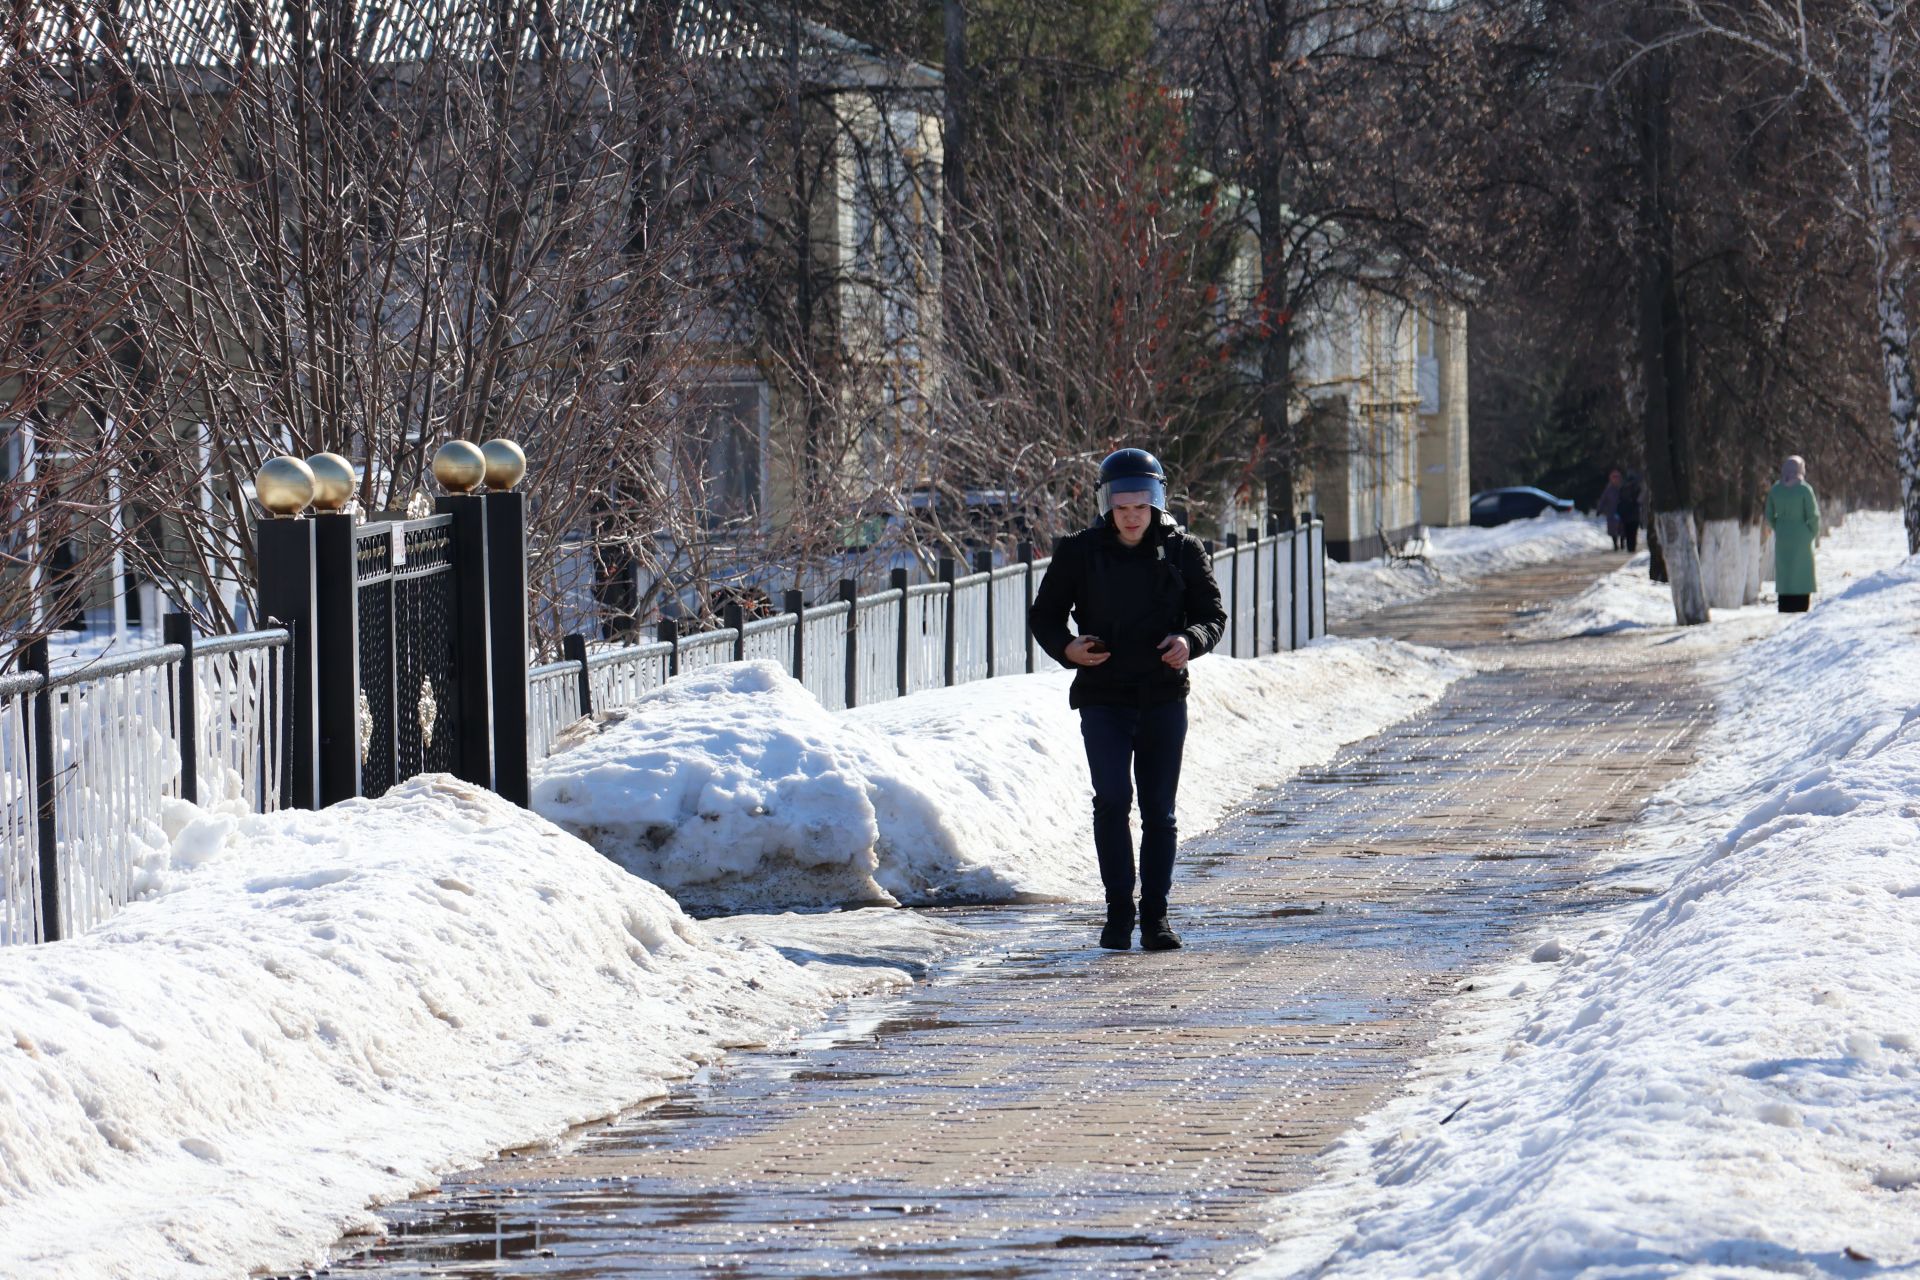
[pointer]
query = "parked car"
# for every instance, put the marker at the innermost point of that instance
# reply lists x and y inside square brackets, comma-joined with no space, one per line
[1522,502]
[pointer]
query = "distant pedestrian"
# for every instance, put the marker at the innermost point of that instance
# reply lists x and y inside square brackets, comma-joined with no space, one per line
[1609,507]
[1144,604]
[1793,513]
[1629,512]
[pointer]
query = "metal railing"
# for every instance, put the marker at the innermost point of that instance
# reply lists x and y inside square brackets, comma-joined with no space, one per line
[89,753]
[863,649]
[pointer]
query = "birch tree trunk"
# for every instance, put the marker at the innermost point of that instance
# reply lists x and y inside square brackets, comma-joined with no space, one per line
[1683,567]
[1665,411]
[1890,268]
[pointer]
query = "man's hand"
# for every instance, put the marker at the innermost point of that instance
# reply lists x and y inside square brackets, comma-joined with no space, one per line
[1174,651]
[1087,651]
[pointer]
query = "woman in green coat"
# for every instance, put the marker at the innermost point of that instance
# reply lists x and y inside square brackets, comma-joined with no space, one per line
[1793,513]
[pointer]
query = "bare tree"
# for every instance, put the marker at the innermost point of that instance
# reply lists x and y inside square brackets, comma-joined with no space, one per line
[69,264]
[1661,206]
[1859,57]
[367,231]
[1096,293]
[1317,110]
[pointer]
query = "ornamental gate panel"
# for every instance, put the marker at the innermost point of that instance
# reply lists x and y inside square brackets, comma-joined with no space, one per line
[408,714]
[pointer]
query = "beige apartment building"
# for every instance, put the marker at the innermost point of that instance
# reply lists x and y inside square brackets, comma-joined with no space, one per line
[1386,382]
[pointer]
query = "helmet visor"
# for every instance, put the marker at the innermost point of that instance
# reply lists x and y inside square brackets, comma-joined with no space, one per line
[1148,489]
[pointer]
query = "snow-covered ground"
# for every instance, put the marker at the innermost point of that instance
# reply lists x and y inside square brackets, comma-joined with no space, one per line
[1724,1078]
[312,1012]
[1454,558]
[1627,600]
[735,790]
[307,1014]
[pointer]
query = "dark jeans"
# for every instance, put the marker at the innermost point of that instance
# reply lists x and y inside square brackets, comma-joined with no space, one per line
[1630,535]
[1129,747]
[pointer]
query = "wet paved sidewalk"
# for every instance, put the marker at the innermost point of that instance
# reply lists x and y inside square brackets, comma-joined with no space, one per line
[1047,1109]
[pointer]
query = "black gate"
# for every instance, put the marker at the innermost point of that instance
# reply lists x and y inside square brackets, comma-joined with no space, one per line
[409,646]
[407,717]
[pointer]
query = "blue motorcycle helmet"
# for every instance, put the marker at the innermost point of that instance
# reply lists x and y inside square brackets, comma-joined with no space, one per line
[1132,471]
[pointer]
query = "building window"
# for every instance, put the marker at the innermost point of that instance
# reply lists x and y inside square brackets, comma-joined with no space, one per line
[891,205]
[721,466]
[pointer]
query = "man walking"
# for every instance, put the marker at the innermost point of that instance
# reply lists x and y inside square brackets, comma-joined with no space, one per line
[1144,604]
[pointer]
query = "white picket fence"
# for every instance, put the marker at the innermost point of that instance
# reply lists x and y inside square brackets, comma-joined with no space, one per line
[869,648]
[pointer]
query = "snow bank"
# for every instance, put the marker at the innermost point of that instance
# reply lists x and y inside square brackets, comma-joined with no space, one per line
[315,1011]
[734,790]
[1726,1081]
[1454,558]
[1627,600]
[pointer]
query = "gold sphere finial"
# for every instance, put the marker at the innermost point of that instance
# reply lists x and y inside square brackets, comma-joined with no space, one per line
[506,464]
[332,481]
[284,486]
[459,466]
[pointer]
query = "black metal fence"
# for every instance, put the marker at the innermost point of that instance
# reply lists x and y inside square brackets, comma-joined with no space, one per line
[862,649]
[404,650]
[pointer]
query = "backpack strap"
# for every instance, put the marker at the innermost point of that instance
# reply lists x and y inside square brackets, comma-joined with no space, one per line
[1172,565]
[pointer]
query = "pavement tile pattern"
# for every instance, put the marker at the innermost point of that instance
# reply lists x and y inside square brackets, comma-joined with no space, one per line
[1042,1108]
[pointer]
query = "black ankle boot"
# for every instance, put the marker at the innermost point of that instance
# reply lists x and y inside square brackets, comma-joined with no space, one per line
[1118,935]
[1154,933]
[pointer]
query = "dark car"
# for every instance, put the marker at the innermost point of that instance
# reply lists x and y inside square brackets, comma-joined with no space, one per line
[1524,502]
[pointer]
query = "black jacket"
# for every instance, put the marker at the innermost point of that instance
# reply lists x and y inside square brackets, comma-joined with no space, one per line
[1132,598]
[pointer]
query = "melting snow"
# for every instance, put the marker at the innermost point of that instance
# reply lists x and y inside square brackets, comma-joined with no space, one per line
[1456,557]
[1724,1080]
[305,1014]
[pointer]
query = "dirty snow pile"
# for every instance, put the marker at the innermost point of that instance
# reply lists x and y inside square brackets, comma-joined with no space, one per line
[1454,558]
[1627,600]
[735,790]
[1723,1079]
[315,1011]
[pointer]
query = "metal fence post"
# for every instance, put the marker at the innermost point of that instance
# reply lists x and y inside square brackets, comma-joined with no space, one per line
[898,582]
[1317,571]
[1306,577]
[850,592]
[1273,533]
[1026,560]
[1298,553]
[950,657]
[473,641]
[287,596]
[336,656]
[574,649]
[732,615]
[287,694]
[797,606]
[507,611]
[177,628]
[1233,595]
[1253,606]
[983,563]
[670,632]
[1293,585]
[36,659]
